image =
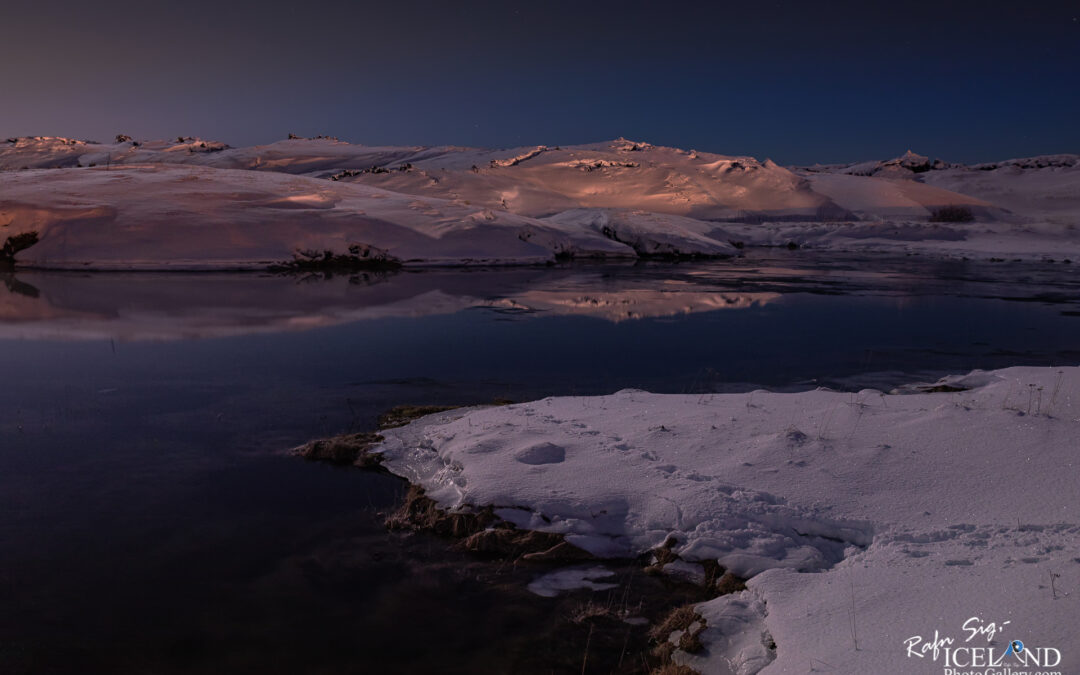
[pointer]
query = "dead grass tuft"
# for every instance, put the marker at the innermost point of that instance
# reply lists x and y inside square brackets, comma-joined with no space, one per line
[662,555]
[343,450]
[399,416]
[590,610]
[673,669]
[679,618]
[683,619]
[483,532]
[729,583]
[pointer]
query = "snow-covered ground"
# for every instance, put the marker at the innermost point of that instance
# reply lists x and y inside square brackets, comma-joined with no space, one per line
[868,522]
[196,204]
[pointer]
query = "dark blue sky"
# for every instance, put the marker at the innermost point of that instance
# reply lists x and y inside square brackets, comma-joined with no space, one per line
[795,81]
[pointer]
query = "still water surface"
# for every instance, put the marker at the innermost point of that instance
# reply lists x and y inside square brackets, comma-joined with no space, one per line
[151,521]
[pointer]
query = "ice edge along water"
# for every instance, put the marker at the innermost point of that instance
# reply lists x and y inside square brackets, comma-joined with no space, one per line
[863,518]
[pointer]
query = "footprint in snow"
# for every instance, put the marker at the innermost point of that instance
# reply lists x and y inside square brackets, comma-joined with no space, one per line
[541,453]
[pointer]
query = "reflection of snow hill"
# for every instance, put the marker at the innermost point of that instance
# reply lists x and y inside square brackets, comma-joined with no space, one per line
[633,303]
[164,306]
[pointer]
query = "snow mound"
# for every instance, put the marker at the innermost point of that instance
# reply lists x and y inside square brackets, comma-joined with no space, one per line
[578,474]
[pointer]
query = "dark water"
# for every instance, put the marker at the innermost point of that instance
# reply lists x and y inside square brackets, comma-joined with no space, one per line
[150,521]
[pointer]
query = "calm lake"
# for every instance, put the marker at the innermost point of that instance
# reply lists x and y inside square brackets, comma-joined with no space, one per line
[152,521]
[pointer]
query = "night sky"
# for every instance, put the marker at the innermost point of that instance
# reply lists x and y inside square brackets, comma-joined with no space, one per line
[795,81]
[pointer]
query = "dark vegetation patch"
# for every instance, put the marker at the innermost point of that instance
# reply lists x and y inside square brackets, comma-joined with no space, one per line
[482,532]
[952,214]
[345,450]
[684,619]
[942,389]
[352,449]
[589,167]
[399,416]
[352,173]
[14,244]
[591,634]
[669,254]
[359,257]
[321,137]
[717,580]
[18,287]
[673,669]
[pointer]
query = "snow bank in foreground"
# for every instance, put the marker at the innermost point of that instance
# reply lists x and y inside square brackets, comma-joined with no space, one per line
[915,512]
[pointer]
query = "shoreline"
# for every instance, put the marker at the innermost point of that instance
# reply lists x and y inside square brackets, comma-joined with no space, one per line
[332,263]
[461,459]
[482,533]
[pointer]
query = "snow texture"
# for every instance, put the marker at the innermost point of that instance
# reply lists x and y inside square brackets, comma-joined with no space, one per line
[197,204]
[897,513]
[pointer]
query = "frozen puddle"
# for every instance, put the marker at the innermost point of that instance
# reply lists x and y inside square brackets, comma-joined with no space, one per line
[913,512]
[575,578]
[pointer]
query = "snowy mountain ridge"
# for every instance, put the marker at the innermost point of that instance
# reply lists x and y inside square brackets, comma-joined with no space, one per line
[301,199]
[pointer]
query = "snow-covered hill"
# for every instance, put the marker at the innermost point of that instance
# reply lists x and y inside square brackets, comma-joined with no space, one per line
[1046,187]
[1035,188]
[192,203]
[193,217]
